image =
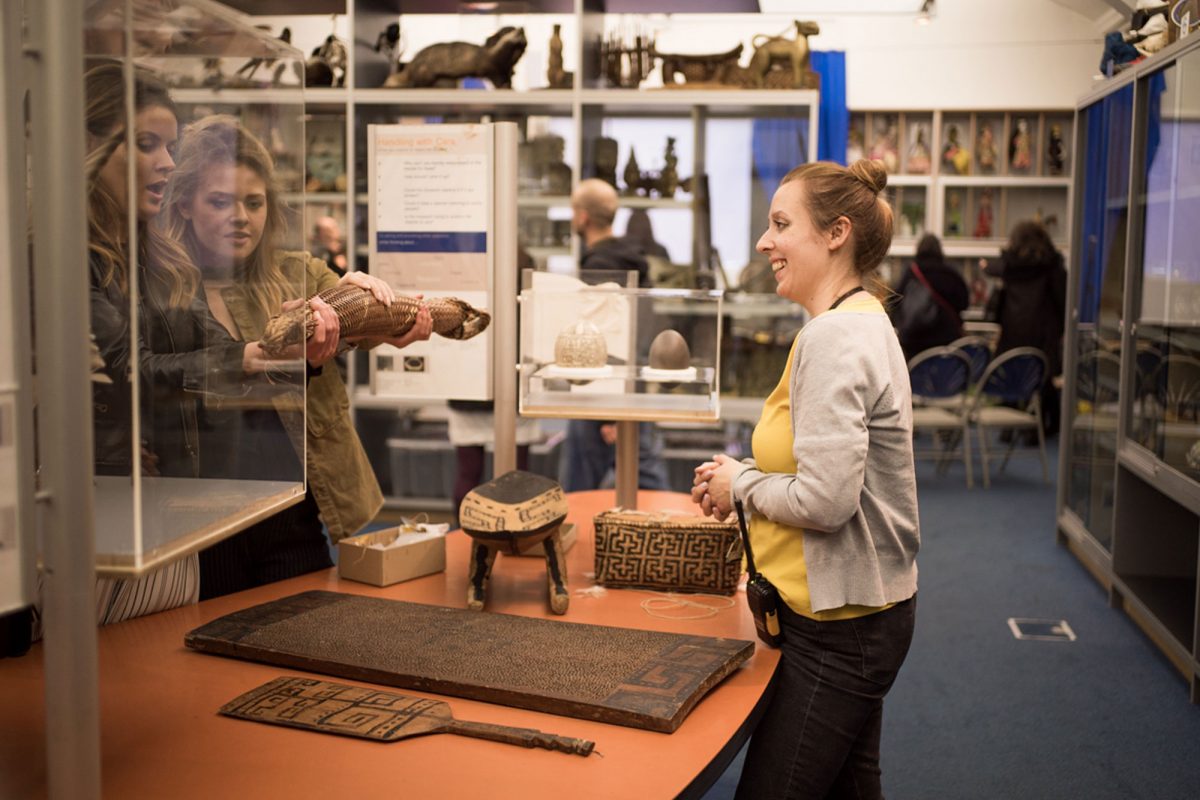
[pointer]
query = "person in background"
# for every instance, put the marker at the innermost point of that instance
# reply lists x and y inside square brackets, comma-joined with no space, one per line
[831,492]
[944,280]
[224,206]
[589,457]
[1031,305]
[329,244]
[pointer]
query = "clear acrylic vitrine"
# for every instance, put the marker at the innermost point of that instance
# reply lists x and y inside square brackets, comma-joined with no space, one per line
[606,352]
[197,433]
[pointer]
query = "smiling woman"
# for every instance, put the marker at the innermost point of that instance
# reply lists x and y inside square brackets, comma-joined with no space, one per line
[831,492]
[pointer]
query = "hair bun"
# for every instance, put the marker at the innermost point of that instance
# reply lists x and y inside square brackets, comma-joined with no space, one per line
[871,173]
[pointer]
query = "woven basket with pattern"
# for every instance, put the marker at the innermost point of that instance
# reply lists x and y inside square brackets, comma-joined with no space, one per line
[667,551]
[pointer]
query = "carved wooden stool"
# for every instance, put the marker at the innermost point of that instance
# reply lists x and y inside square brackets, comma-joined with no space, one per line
[507,514]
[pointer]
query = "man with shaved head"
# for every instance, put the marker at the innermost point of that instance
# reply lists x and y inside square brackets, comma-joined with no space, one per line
[594,207]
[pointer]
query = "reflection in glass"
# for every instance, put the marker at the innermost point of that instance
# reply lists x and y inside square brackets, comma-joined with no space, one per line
[1092,422]
[1167,385]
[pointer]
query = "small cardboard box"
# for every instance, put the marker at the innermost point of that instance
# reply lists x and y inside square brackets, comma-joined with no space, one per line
[414,554]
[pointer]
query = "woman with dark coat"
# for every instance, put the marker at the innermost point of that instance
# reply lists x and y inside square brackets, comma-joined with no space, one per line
[1031,304]
[947,283]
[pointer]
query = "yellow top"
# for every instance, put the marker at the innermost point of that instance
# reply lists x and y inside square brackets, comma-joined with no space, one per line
[779,549]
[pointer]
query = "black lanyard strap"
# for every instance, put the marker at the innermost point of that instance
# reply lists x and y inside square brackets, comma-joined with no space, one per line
[842,297]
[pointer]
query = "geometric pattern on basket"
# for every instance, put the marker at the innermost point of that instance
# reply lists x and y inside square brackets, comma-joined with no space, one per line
[673,554]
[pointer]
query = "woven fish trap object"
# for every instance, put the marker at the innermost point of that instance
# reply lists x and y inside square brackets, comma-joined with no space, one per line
[360,314]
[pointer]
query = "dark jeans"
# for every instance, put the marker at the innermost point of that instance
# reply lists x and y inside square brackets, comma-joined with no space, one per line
[819,737]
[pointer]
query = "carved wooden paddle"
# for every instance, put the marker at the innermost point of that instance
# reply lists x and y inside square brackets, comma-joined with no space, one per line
[375,714]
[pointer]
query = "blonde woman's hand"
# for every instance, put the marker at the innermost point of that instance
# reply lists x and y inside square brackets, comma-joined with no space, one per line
[323,343]
[380,289]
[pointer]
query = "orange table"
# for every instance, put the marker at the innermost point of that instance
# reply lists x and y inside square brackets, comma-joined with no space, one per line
[161,735]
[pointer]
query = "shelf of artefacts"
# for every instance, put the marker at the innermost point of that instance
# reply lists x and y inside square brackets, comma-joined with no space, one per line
[475,99]
[595,352]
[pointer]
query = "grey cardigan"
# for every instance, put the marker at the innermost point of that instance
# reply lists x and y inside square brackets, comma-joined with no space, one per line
[854,492]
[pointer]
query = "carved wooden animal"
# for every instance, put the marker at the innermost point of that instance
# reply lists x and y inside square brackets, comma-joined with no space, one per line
[711,68]
[360,314]
[768,49]
[446,62]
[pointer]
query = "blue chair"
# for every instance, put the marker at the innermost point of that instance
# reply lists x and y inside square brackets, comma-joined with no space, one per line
[1008,398]
[978,350]
[940,378]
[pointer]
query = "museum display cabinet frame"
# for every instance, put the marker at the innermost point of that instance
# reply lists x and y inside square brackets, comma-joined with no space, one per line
[1129,489]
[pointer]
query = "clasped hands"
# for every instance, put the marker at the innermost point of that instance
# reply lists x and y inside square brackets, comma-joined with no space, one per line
[712,486]
[323,344]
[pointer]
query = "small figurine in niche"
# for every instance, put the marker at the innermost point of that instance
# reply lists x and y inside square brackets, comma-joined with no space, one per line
[983,220]
[912,216]
[1056,151]
[388,43]
[919,159]
[443,64]
[954,223]
[854,143]
[885,148]
[1020,154]
[632,175]
[668,179]
[985,148]
[327,64]
[955,158]
[323,160]
[604,156]
[771,54]
[556,76]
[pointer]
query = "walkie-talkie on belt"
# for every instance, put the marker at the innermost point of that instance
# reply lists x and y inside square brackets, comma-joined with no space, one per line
[761,594]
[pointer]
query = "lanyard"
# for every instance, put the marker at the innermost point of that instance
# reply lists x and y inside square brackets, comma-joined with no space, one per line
[838,302]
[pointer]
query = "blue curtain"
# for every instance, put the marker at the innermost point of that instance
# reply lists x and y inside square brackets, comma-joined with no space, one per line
[781,144]
[833,119]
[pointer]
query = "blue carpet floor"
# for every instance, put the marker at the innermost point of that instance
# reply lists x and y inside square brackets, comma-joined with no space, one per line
[977,713]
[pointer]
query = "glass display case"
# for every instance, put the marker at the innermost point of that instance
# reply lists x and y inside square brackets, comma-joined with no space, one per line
[1129,488]
[192,195]
[610,353]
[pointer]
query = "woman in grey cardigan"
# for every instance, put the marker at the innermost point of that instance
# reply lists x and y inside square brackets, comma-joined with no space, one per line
[831,492]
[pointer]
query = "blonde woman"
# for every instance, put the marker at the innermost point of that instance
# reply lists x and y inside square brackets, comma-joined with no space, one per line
[224,206]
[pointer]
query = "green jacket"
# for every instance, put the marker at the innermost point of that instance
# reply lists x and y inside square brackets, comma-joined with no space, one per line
[339,473]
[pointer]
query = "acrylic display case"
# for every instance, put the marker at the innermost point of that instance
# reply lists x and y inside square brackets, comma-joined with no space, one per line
[197,434]
[610,353]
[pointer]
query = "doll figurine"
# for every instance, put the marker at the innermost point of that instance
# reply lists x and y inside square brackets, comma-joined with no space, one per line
[1056,153]
[854,143]
[955,158]
[954,225]
[1020,157]
[886,147]
[983,221]
[918,155]
[985,148]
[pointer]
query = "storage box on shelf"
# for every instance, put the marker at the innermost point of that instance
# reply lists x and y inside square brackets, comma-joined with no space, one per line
[1129,487]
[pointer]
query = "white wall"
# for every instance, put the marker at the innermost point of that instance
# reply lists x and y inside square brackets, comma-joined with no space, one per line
[1027,54]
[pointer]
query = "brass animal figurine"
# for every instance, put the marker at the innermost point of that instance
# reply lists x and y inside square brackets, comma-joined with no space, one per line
[444,63]
[360,314]
[771,49]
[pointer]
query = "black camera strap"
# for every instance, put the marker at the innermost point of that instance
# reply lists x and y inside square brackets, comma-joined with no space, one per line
[741,514]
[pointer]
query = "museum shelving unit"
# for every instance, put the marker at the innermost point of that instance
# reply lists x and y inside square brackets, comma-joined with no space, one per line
[1129,471]
[568,120]
[945,197]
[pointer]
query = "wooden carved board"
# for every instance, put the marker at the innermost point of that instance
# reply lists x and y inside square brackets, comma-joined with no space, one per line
[643,679]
